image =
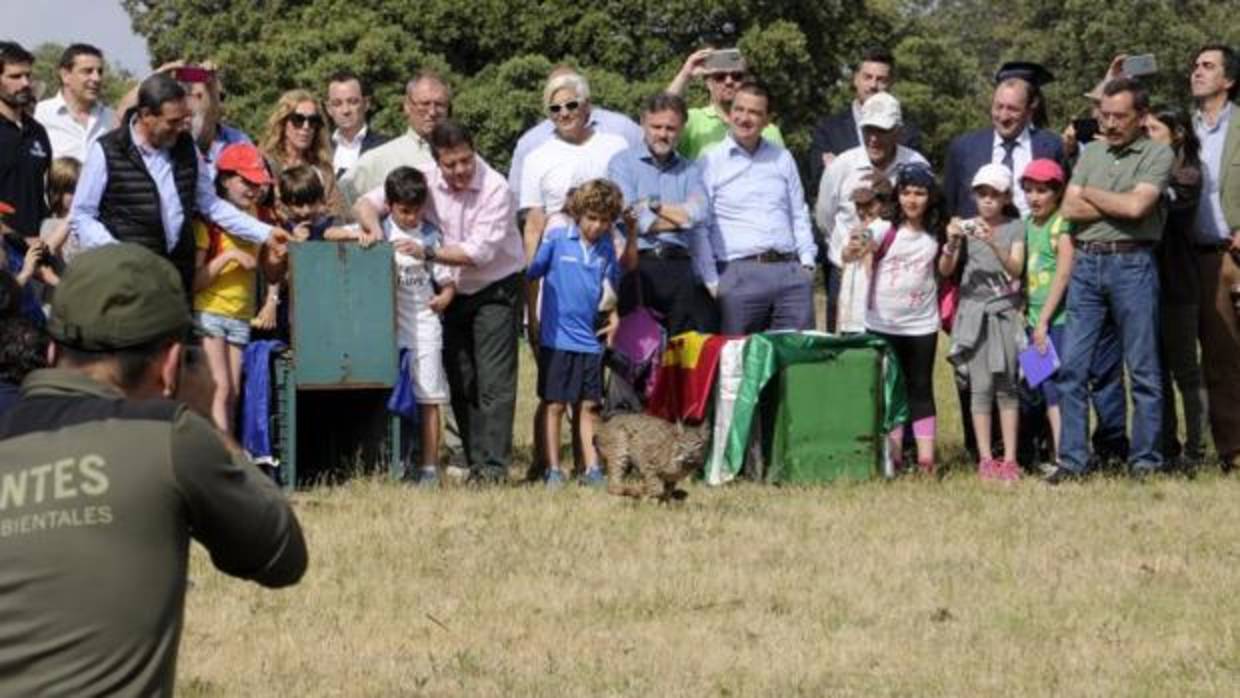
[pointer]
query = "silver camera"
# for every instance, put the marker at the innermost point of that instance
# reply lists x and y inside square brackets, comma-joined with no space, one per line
[971,228]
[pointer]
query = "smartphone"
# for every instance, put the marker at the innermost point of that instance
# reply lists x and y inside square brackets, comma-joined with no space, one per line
[192,73]
[725,60]
[1138,66]
[1086,129]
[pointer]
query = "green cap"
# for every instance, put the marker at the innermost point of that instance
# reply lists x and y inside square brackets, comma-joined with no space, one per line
[117,297]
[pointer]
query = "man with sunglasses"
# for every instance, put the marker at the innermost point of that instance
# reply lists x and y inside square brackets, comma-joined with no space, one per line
[145,181]
[709,125]
[597,118]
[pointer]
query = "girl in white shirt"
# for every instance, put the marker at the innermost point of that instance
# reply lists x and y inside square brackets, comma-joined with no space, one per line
[903,306]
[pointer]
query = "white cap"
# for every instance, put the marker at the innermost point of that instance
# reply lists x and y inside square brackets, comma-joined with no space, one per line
[997,177]
[881,110]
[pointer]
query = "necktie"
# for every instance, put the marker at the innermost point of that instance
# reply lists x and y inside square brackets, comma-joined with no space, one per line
[1008,161]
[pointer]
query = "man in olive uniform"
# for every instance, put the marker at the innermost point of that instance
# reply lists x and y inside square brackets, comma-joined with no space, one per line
[104,477]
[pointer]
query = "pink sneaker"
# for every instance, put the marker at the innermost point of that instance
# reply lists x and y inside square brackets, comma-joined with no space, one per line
[988,469]
[1008,470]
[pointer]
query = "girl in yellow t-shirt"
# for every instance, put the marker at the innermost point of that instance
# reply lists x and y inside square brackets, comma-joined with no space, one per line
[225,278]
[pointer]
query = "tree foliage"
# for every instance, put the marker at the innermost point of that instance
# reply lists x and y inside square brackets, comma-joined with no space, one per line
[496,53]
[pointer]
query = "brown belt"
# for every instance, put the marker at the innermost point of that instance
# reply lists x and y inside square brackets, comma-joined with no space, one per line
[769,257]
[1114,246]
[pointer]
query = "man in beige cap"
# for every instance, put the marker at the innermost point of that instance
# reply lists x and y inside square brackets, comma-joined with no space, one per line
[104,477]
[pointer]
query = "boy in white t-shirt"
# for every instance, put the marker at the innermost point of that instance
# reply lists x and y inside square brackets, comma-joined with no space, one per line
[423,291]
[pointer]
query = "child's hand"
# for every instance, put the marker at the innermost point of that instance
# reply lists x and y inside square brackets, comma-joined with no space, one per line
[365,238]
[36,252]
[243,259]
[608,331]
[409,247]
[1040,337]
[983,231]
[266,317]
[301,232]
[955,231]
[442,300]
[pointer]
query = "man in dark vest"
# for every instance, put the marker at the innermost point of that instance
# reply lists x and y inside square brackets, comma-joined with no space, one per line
[143,183]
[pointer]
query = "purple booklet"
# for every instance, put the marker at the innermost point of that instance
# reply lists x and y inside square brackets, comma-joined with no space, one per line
[1037,366]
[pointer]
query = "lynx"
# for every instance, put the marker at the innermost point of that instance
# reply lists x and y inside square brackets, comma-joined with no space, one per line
[662,453]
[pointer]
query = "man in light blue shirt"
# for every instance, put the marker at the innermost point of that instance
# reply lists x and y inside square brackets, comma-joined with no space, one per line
[665,189]
[145,181]
[760,229]
[599,119]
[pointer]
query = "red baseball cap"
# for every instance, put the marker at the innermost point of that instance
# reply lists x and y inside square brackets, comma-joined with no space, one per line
[6,208]
[1044,170]
[245,160]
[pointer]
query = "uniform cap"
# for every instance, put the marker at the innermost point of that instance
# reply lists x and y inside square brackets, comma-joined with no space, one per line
[997,177]
[1033,73]
[881,111]
[6,208]
[1044,170]
[117,297]
[245,160]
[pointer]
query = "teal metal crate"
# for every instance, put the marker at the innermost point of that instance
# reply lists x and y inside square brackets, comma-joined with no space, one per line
[331,389]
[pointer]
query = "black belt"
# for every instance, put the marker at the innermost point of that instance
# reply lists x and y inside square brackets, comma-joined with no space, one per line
[664,251]
[769,257]
[1213,247]
[1114,246]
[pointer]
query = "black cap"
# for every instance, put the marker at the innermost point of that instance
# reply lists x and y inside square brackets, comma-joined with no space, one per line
[1033,73]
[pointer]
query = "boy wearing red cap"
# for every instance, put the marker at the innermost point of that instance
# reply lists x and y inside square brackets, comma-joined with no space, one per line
[224,277]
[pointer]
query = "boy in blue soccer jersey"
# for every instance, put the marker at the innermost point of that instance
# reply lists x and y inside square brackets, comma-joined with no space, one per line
[578,261]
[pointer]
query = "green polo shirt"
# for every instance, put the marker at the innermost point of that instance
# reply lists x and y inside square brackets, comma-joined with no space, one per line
[1119,170]
[706,127]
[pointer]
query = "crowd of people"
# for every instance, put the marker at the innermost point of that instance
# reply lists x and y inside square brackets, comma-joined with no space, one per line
[1067,269]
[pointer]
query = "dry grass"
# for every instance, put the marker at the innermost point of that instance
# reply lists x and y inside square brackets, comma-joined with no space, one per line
[909,588]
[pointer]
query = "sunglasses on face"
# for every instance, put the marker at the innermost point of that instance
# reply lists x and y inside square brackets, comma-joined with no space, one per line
[735,76]
[568,107]
[303,120]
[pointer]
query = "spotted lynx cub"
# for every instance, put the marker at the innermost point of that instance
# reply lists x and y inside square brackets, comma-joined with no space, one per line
[662,453]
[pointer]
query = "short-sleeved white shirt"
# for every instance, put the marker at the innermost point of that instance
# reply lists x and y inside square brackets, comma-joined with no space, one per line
[556,166]
[906,299]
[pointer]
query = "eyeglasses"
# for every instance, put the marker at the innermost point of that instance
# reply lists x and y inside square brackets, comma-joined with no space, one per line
[299,120]
[568,107]
[735,76]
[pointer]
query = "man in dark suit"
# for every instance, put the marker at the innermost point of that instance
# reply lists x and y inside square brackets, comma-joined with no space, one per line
[1012,140]
[347,105]
[840,133]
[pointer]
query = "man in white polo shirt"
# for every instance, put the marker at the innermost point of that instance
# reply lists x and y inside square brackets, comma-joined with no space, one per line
[76,116]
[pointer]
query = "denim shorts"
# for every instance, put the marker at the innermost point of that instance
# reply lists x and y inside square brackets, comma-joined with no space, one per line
[231,329]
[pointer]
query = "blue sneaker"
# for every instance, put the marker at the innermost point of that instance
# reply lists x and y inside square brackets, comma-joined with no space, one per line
[554,479]
[427,478]
[594,477]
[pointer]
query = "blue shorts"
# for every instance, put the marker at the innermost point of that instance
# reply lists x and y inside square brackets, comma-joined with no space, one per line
[569,376]
[1050,386]
[231,329]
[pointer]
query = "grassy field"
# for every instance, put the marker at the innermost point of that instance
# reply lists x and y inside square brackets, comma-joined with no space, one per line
[906,588]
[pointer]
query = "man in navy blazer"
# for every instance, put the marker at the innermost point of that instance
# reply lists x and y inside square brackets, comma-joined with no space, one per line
[1012,135]
[838,133]
[348,104]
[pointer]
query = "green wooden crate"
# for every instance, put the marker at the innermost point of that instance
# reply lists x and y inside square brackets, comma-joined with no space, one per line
[828,420]
[343,315]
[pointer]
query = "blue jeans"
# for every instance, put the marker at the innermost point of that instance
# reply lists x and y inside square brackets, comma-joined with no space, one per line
[1126,286]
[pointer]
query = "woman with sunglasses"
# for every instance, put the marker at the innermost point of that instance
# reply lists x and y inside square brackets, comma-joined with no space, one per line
[296,134]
